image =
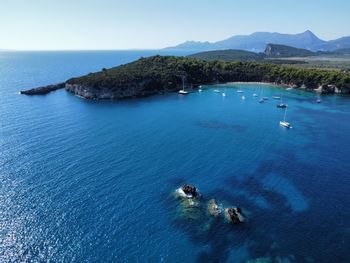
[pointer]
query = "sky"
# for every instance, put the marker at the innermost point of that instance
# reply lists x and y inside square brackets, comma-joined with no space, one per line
[154,24]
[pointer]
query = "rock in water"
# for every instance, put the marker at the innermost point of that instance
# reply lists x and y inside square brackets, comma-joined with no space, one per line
[190,190]
[213,207]
[234,215]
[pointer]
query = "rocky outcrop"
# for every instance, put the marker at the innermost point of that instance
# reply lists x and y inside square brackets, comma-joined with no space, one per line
[326,89]
[43,90]
[190,190]
[234,215]
[213,208]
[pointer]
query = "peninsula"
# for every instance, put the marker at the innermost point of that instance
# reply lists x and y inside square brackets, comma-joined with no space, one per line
[162,74]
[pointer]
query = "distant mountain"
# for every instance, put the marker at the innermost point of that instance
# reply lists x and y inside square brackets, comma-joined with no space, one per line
[274,53]
[257,42]
[274,50]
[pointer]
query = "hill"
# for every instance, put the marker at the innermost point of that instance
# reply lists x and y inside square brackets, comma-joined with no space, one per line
[274,50]
[229,55]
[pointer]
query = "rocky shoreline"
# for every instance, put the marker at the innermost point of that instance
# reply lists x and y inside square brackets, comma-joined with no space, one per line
[43,90]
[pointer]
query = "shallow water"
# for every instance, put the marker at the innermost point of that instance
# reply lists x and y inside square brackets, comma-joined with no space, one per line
[90,181]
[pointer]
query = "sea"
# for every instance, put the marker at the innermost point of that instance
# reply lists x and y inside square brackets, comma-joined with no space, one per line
[94,181]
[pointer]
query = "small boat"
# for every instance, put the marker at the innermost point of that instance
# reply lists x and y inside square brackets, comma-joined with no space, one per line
[261,100]
[282,105]
[318,101]
[276,98]
[243,97]
[216,91]
[224,94]
[183,91]
[289,88]
[200,90]
[255,95]
[240,91]
[284,123]
[265,98]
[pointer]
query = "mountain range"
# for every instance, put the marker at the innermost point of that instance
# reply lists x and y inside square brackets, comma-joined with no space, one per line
[257,42]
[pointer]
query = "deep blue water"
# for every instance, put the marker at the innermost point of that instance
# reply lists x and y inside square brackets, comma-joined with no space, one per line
[85,181]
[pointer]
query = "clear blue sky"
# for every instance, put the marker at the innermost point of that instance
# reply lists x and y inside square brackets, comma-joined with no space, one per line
[151,24]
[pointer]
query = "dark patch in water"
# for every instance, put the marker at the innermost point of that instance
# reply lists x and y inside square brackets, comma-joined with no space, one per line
[221,125]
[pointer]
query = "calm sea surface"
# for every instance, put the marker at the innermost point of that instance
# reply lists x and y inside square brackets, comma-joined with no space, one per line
[85,181]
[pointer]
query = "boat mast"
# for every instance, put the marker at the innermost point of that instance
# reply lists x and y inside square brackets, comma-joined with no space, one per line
[285,112]
[183,83]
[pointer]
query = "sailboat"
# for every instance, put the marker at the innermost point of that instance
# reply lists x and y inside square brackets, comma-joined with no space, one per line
[183,91]
[281,105]
[284,123]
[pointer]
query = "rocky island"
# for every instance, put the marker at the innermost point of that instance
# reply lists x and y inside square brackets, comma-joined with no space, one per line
[161,74]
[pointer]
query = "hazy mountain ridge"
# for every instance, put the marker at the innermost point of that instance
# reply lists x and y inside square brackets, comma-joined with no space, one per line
[257,42]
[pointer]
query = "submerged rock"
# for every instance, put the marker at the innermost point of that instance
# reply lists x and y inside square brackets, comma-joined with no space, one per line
[213,208]
[234,215]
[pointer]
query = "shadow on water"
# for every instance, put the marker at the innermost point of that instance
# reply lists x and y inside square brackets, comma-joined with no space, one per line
[214,124]
[278,231]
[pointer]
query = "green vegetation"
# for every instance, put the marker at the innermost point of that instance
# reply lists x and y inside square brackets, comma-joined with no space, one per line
[274,50]
[164,73]
[284,55]
[229,55]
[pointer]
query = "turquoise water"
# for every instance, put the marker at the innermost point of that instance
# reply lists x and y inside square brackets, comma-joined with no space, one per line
[86,181]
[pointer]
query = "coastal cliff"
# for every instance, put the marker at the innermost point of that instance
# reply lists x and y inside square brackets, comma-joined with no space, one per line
[161,74]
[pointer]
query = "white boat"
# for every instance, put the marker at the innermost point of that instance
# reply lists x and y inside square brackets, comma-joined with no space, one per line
[289,88]
[224,94]
[265,98]
[183,91]
[255,95]
[200,90]
[240,91]
[284,123]
[243,97]
[261,100]
[216,91]
[318,101]
[276,97]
